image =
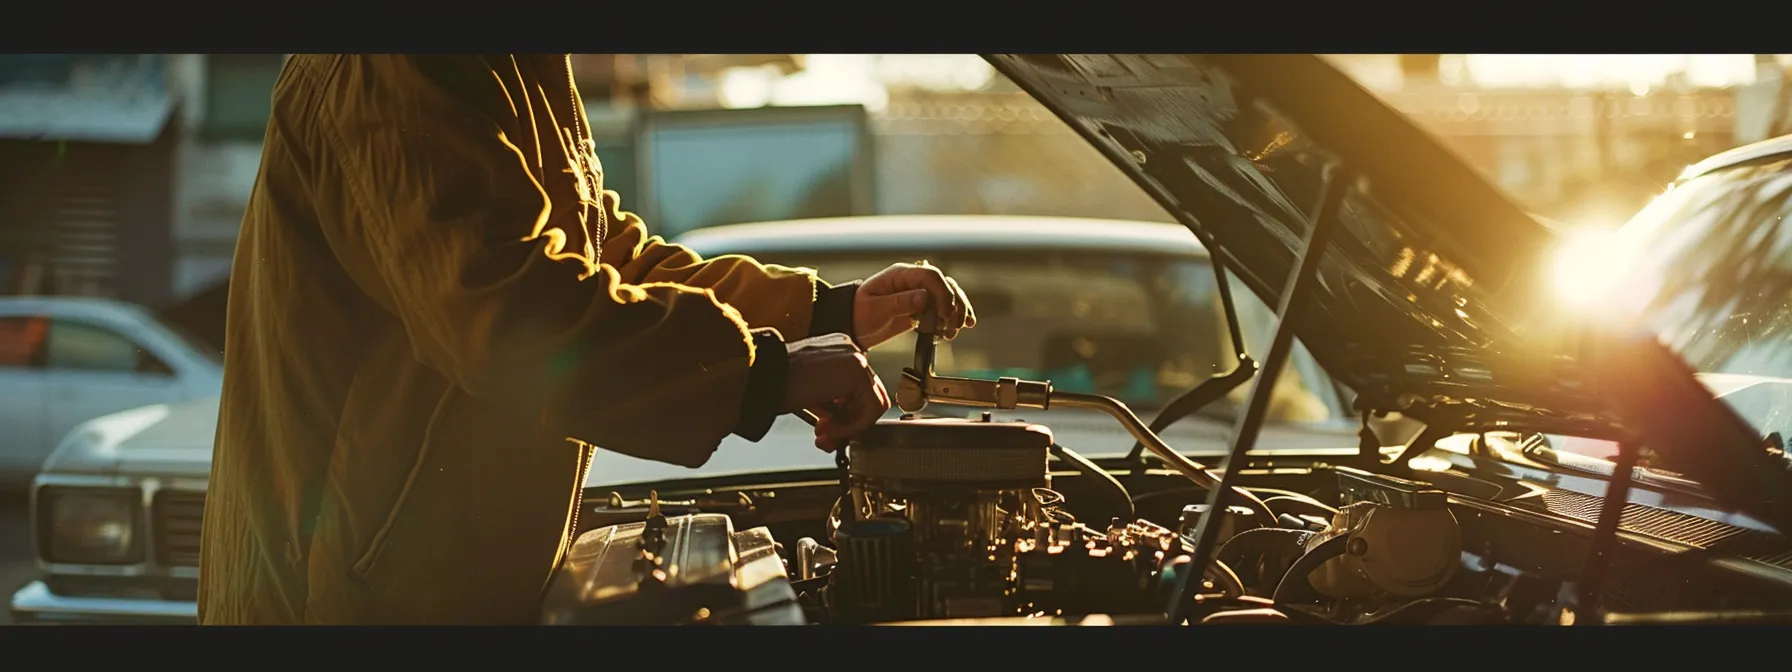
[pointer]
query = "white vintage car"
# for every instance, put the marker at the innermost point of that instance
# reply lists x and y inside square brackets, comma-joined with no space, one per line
[64,360]
[1095,305]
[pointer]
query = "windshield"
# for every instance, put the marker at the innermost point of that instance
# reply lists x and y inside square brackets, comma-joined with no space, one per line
[1707,267]
[1142,328]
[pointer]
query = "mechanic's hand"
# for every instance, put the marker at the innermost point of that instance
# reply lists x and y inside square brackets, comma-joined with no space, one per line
[886,303]
[829,376]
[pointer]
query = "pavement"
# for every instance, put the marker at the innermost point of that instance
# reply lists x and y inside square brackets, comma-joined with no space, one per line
[17,567]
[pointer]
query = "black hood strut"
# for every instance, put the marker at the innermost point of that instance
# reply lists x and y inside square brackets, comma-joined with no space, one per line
[1338,181]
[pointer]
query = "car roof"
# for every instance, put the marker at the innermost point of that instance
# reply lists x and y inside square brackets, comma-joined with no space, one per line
[1748,153]
[904,233]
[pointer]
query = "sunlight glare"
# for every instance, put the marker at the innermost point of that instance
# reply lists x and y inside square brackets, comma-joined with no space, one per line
[1588,262]
[1640,71]
[745,87]
[832,79]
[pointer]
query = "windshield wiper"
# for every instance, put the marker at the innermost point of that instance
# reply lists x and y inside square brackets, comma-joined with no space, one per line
[1215,388]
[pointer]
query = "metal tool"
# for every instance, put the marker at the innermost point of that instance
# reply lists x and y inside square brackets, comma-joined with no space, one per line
[920,384]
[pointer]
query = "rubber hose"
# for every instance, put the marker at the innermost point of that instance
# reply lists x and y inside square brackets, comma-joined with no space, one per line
[1259,542]
[1088,468]
[1295,579]
[1300,505]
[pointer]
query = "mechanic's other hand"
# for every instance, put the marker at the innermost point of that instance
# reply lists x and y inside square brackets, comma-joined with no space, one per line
[830,377]
[888,302]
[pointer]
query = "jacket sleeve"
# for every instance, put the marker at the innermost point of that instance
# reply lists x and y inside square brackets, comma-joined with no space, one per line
[466,249]
[791,300]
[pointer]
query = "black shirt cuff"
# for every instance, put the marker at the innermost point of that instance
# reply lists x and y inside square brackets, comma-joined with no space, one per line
[833,310]
[765,385]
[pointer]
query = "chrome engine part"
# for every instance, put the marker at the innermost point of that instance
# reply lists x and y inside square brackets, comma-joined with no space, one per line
[937,514]
[954,519]
[672,570]
[1403,542]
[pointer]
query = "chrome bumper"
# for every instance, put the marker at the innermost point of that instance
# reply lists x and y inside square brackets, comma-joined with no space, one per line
[35,604]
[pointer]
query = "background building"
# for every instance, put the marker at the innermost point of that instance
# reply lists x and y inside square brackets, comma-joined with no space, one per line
[127,175]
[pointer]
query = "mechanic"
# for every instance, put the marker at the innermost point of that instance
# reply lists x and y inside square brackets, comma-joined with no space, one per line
[437,314]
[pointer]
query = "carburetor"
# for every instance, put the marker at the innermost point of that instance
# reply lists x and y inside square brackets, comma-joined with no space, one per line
[937,513]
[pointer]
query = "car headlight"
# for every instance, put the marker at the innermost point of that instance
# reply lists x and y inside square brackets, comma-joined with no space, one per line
[90,526]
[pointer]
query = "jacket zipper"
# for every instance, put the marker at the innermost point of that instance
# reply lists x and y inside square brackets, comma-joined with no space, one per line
[586,150]
[586,451]
[586,454]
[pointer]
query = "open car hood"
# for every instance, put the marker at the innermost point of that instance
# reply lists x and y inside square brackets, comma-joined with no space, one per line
[1430,297]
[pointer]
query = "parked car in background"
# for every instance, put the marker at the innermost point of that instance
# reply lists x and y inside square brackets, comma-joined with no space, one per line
[1121,308]
[64,360]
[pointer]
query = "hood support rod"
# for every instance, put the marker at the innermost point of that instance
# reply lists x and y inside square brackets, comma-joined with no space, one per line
[1134,165]
[1605,533]
[1214,388]
[1302,279]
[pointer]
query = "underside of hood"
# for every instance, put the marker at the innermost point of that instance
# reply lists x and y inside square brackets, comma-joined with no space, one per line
[1431,272]
[1430,296]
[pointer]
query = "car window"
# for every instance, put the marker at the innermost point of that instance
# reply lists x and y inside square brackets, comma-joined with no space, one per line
[79,346]
[1706,267]
[1142,328]
[21,341]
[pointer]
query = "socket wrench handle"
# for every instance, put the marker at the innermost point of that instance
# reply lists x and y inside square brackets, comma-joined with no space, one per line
[911,391]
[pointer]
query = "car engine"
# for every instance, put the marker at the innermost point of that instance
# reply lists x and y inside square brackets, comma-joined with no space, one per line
[942,519]
[949,518]
[954,519]
[957,520]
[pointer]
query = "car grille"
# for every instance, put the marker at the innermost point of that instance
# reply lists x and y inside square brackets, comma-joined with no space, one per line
[176,519]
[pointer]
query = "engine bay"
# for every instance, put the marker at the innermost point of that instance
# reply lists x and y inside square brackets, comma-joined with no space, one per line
[945,520]
[976,520]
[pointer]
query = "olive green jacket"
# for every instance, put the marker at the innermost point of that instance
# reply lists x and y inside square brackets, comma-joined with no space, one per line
[436,314]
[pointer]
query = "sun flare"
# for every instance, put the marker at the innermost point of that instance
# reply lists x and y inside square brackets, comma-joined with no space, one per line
[1588,264]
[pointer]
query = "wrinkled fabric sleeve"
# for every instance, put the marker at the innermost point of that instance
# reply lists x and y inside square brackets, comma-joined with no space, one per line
[791,300]
[469,253]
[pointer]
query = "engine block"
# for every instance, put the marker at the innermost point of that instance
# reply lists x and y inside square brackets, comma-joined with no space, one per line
[937,514]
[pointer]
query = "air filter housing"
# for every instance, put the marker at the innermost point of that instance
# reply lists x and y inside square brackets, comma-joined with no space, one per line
[949,452]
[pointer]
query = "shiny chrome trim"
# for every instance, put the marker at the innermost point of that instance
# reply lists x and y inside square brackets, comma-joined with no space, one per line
[1769,148]
[1755,569]
[35,602]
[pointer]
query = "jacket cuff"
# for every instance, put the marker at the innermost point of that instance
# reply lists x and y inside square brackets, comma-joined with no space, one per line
[765,385]
[833,311]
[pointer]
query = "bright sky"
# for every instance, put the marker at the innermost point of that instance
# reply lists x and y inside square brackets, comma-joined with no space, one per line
[1585,70]
[831,79]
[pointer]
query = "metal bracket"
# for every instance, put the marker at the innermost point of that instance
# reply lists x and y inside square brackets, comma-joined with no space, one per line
[1301,281]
